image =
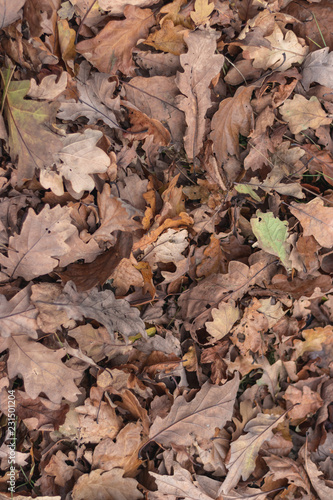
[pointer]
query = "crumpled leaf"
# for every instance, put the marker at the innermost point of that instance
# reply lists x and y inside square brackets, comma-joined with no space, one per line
[115,314]
[234,117]
[285,50]
[245,449]
[318,67]
[272,234]
[301,113]
[41,369]
[316,220]
[147,126]
[168,248]
[223,320]
[111,49]
[180,484]
[169,38]
[42,240]
[118,6]
[110,485]
[211,407]
[77,161]
[10,11]
[201,65]
[29,123]
[18,315]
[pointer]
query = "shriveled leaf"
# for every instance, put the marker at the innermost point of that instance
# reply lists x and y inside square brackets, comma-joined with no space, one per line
[115,314]
[234,117]
[318,67]
[18,316]
[180,484]
[41,369]
[301,113]
[211,407]
[111,49]
[315,340]
[169,38]
[42,240]
[223,320]
[29,123]
[316,220]
[147,126]
[109,485]
[272,234]
[201,65]
[245,449]
[77,161]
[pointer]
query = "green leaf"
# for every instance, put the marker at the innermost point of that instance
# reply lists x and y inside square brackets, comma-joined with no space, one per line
[246,189]
[272,234]
[29,123]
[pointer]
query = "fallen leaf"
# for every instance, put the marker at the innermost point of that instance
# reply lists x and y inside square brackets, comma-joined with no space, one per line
[42,240]
[318,67]
[234,117]
[223,320]
[202,11]
[117,7]
[97,420]
[301,113]
[315,340]
[10,11]
[111,49]
[110,485]
[29,123]
[59,468]
[211,407]
[18,315]
[200,65]
[49,88]
[248,335]
[316,220]
[169,247]
[272,234]
[142,126]
[169,38]
[306,401]
[244,451]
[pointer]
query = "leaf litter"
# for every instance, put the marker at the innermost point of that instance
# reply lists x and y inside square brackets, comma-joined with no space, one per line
[166,210]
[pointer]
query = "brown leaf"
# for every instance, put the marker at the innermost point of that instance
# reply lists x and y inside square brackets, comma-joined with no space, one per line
[211,407]
[86,276]
[142,126]
[111,49]
[201,65]
[18,315]
[307,402]
[316,220]
[169,38]
[40,413]
[234,117]
[97,420]
[109,485]
[301,113]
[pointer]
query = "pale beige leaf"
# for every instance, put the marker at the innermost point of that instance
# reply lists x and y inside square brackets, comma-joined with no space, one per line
[97,421]
[202,11]
[223,320]
[211,407]
[168,247]
[18,315]
[180,484]
[103,485]
[301,113]
[318,67]
[49,88]
[200,65]
[245,449]
[42,240]
[324,492]
[316,220]
[117,6]
[234,117]
[41,369]
[285,49]
[10,11]
[77,161]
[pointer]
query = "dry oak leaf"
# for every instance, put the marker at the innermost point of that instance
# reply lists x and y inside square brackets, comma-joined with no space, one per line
[49,88]
[306,400]
[29,123]
[41,369]
[202,11]
[286,468]
[78,160]
[172,11]
[201,64]
[110,485]
[318,67]
[285,50]
[42,240]
[234,117]
[42,296]
[180,484]
[316,220]
[95,101]
[169,38]
[223,320]
[97,420]
[248,335]
[123,453]
[301,113]
[147,126]
[111,49]
[323,491]
[59,467]
[115,215]
[316,340]
[10,11]
[244,451]
[18,315]
[115,314]
[168,247]
[118,6]
[211,407]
